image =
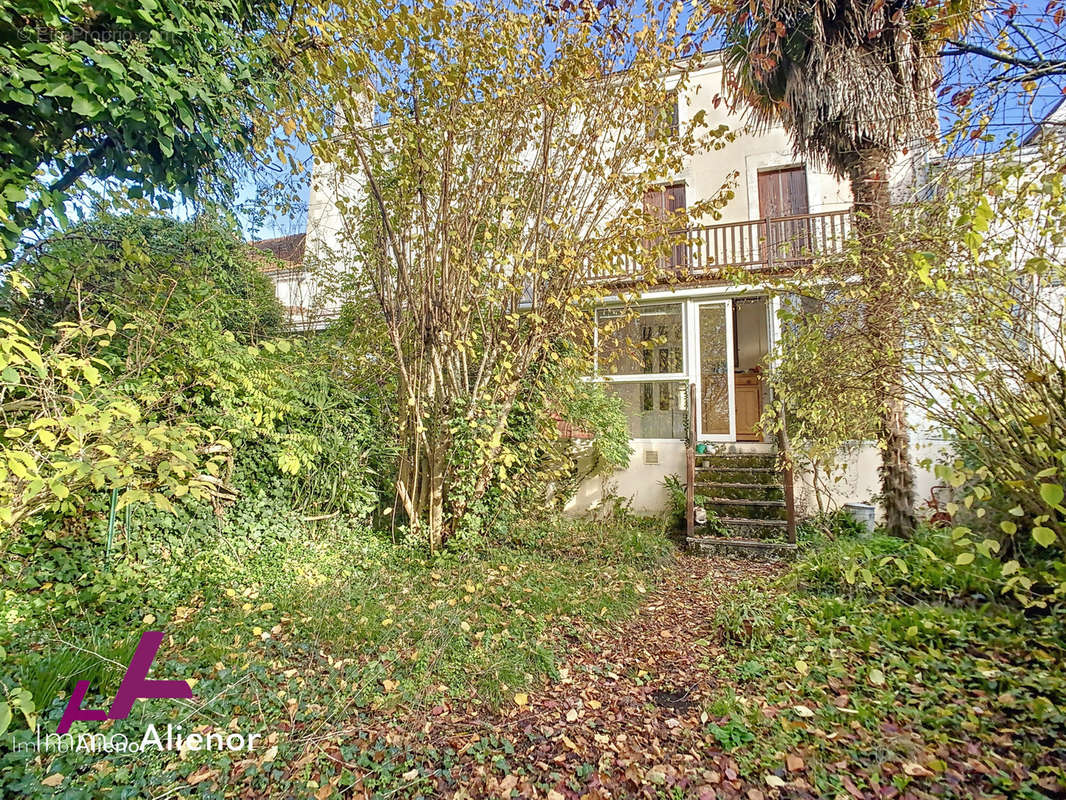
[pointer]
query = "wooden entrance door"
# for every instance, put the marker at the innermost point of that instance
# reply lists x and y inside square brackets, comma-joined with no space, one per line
[783,202]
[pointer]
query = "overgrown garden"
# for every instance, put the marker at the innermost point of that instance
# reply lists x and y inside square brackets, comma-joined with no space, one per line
[353,537]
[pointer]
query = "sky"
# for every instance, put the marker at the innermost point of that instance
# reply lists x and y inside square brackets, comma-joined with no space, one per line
[1014,113]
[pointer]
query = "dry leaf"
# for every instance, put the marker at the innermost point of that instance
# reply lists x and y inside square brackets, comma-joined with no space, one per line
[521,699]
[916,770]
[54,779]
[507,784]
[202,775]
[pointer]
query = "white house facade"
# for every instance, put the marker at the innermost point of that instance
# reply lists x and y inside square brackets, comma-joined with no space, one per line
[707,332]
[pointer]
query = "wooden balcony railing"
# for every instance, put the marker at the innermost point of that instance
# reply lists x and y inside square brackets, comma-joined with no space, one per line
[764,244]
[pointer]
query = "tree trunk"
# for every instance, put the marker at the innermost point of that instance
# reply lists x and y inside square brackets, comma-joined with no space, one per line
[435,531]
[869,188]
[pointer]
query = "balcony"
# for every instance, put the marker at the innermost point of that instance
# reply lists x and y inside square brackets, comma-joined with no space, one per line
[777,243]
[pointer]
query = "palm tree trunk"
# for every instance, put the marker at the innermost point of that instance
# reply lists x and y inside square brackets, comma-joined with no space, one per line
[869,187]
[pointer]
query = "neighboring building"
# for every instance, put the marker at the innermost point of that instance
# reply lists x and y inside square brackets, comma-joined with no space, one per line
[295,283]
[286,270]
[1053,124]
[707,332]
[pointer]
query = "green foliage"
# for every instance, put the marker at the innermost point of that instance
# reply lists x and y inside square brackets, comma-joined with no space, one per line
[66,431]
[312,617]
[540,465]
[184,314]
[925,567]
[828,527]
[136,269]
[732,734]
[922,652]
[588,407]
[679,504]
[156,96]
[992,319]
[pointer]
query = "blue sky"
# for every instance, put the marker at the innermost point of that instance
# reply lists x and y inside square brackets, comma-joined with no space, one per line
[1014,113]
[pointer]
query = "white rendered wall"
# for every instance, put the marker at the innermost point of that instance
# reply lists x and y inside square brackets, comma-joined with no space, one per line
[857,482]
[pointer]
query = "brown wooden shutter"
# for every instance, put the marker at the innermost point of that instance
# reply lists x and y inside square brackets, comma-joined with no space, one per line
[662,201]
[797,195]
[783,192]
[654,202]
[675,197]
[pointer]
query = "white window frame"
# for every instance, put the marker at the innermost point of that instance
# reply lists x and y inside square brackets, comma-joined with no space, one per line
[650,377]
[691,300]
[694,359]
[654,377]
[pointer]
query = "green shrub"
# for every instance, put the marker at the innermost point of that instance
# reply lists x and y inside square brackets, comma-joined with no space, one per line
[925,566]
[828,527]
[539,466]
[136,269]
[678,500]
[69,431]
[187,319]
[818,665]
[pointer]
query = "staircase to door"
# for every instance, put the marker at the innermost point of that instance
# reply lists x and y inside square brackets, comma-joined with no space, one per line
[745,497]
[746,494]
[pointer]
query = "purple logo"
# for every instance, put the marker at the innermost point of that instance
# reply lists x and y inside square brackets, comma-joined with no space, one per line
[135,686]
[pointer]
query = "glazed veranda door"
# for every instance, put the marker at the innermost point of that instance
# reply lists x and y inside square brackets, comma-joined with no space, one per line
[713,324]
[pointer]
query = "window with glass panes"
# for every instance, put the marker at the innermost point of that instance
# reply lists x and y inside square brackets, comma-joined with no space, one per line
[641,353]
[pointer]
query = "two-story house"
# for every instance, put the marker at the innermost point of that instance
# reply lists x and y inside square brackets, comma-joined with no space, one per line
[706,332]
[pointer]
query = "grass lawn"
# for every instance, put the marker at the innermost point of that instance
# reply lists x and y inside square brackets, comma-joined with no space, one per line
[580,659]
[921,681]
[301,638]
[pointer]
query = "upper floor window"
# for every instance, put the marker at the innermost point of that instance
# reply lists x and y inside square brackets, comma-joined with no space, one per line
[783,201]
[663,202]
[783,192]
[665,119]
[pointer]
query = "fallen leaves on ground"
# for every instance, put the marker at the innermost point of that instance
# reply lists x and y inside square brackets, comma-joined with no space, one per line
[623,719]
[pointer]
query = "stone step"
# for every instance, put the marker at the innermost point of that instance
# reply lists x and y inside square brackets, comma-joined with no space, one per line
[739,485]
[762,523]
[761,529]
[737,501]
[763,475]
[741,490]
[736,460]
[760,510]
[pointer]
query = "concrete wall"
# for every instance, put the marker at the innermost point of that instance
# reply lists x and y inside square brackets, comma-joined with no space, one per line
[706,173]
[854,478]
